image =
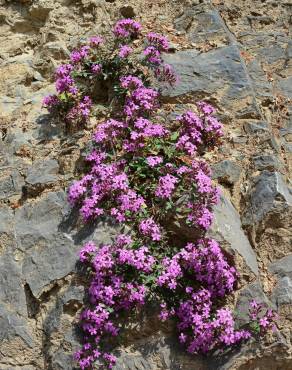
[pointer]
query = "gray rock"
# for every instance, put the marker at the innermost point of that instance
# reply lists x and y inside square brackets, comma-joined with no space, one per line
[203,23]
[262,86]
[74,295]
[36,223]
[11,326]
[272,54]
[6,221]
[132,362]
[285,85]
[282,267]
[256,128]
[266,162]
[45,265]
[288,147]
[226,171]
[62,361]
[16,138]
[52,254]
[43,172]
[161,352]
[11,185]
[282,294]
[226,228]
[247,294]
[9,105]
[204,74]
[269,192]
[51,248]
[208,26]
[11,286]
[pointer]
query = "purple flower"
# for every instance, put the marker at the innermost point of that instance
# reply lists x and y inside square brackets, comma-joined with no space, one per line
[154,160]
[166,186]
[95,41]
[86,251]
[159,41]
[149,228]
[125,51]
[96,68]
[131,82]
[165,73]
[152,55]
[50,101]
[127,28]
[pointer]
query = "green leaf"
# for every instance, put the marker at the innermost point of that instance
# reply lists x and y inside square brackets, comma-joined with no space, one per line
[168,205]
[174,136]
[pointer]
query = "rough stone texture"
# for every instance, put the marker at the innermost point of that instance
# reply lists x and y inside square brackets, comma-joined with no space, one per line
[217,73]
[237,55]
[226,228]
[282,268]
[266,162]
[226,171]
[269,193]
[251,291]
[43,172]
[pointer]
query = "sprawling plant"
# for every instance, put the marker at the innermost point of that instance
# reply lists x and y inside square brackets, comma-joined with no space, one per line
[146,171]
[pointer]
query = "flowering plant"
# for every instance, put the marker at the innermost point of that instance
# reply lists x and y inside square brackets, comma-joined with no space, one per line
[149,175]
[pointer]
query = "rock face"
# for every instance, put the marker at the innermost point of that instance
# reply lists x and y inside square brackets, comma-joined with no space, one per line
[226,228]
[282,268]
[237,55]
[269,194]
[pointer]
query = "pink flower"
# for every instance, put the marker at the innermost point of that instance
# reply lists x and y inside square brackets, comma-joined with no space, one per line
[154,160]
[95,41]
[127,28]
[96,68]
[125,51]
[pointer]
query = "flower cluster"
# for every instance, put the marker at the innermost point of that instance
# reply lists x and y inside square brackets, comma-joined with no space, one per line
[149,228]
[205,262]
[199,130]
[201,329]
[110,290]
[166,185]
[127,28]
[262,319]
[165,73]
[158,41]
[147,175]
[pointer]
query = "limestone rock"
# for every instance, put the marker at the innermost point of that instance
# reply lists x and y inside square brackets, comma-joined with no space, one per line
[257,128]
[285,85]
[11,185]
[11,285]
[218,72]
[237,55]
[266,162]
[226,171]
[52,254]
[269,193]
[41,175]
[282,268]
[251,292]
[6,221]
[226,228]
[37,223]
[12,325]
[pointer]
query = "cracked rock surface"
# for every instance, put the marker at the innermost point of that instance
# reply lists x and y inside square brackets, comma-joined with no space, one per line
[238,56]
